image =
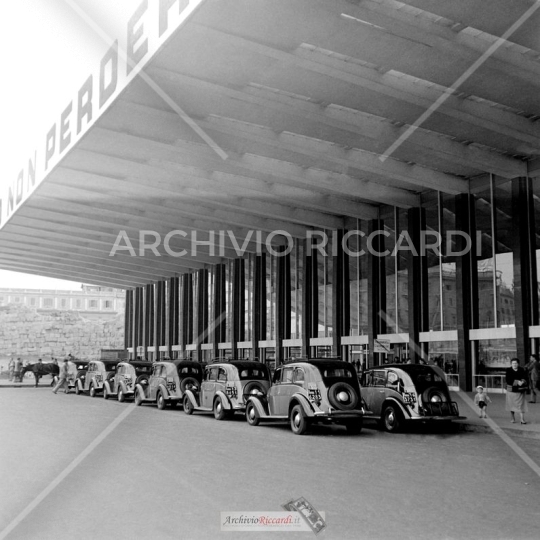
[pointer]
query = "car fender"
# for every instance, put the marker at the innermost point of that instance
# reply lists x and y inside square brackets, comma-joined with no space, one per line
[140,388]
[304,402]
[164,391]
[107,386]
[191,396]
[224,399]
[394,401]
[123,386]
[259,406]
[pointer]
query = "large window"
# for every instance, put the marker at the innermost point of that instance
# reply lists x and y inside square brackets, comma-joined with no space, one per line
[358,269]
[297,287]
[495,260]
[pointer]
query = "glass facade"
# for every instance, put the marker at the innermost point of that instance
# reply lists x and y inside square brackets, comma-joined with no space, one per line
[479,284]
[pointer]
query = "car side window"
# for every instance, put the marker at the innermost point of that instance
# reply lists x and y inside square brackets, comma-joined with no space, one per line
[222,375]
[379,378]
[392,380]
[276,379]
[287,375]
[212,374]
[298,376]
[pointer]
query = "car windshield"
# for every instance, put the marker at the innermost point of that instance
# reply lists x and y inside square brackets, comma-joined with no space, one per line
[257,373]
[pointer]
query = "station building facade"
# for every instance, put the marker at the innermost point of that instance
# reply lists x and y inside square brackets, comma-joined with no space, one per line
[471,312]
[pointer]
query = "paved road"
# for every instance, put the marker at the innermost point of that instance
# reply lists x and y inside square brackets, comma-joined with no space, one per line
[164,475]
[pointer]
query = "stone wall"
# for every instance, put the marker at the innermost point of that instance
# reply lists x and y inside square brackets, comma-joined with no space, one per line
[30,335]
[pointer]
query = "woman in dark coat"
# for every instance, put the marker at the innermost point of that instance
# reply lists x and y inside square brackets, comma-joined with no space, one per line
[516,380]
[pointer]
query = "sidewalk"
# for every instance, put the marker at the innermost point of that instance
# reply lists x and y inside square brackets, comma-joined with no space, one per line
[496,412]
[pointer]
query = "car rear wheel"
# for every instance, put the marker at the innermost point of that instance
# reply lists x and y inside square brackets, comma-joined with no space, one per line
[121,395]
[252,415]
[354,427]
[188,406]
[92,390]
[299,422]
[138,398]
[220,413]
[392,419]
[160,400]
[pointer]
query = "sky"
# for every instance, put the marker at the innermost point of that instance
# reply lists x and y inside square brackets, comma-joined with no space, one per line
[47,51]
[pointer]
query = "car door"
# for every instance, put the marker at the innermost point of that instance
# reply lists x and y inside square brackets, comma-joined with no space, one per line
[154,382]
[285,391]
[378,394]
[274,391]
[208,387]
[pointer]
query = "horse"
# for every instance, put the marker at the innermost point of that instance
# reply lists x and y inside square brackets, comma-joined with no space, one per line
[39,370]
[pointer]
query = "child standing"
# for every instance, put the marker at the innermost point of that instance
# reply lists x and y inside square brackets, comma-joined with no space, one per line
[481,400]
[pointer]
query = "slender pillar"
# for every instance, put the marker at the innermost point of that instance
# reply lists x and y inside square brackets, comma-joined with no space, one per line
[466,287]
[310,305]
[376,289]
[340,294]
[283,303]
[525,280]
[128,319]
[417,286]
[258,321]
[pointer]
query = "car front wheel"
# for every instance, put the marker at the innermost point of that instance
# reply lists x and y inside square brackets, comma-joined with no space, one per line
[299,422]
[252,415]
[392,419]
[138,398]
[160,400]
[105,393]
[92,390]
[121,395]
[188,406]
[77,389]
[219,410]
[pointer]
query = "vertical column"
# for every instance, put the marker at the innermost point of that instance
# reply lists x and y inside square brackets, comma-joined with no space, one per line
[128,319]
[417,285]
[219,315]
[185,316]
[137,321]
[238,312]
[200,313]
[466,287]
[376,288]
[171,315]
[310,300]
[258,329]
[340,294]
[525,280]
[283,303]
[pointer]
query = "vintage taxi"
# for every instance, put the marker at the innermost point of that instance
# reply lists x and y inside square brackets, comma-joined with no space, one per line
[309,392]
[227,386]
[398,393]
[168,383]
[121,383]
[97,373]
[76,370]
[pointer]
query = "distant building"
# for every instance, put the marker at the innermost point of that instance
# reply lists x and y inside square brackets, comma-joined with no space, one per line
[91,301]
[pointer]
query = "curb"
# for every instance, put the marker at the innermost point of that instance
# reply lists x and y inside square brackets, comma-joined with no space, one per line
[477,428]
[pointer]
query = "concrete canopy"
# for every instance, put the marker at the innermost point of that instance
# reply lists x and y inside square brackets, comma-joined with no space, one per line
[302,102]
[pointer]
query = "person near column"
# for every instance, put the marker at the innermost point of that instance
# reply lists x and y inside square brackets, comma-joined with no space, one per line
[11,367]
[533,368]
[62,377]
[516,389]
[18,369]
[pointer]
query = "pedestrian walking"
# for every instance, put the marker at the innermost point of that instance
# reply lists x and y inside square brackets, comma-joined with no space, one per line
[11,368]
[516,389]
[17,372]
[62,378]
[481,400]
[533,368]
